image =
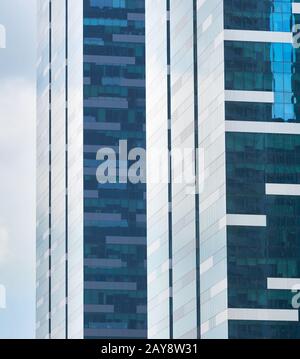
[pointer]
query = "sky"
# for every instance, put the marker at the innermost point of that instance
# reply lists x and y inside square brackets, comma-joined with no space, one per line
[17,168]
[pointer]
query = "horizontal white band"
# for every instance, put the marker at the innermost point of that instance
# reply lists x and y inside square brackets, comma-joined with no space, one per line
[249,96]
[288,315]
[279,189]
[296,8]
[263,127]
[251,220]
[258,36]
[284,283]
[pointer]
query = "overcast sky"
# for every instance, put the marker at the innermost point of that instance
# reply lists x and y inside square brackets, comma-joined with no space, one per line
[17,168]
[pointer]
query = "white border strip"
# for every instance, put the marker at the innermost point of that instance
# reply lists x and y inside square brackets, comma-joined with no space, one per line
[263,127]
[251,220]
[283,283]
[249,96]
[289,315]
[258,36]
[278,189]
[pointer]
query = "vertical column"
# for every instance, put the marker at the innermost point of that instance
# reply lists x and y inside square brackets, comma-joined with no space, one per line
[183,92]
[197,167]
[169,121]
[74,140]
[58,169]
[50,162]
[43,231]
[158,191]
[212,197]
[66,159]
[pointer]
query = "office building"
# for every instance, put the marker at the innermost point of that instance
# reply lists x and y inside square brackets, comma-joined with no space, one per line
[91,237]
[224,258]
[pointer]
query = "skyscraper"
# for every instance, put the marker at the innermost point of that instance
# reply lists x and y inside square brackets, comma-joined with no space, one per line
[224,257]
[91,237]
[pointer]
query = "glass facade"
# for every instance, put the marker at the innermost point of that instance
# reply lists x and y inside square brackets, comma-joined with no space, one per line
[254,160]
[115,289]
[225,263]
[255,254]
[91,238]
[264,15]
